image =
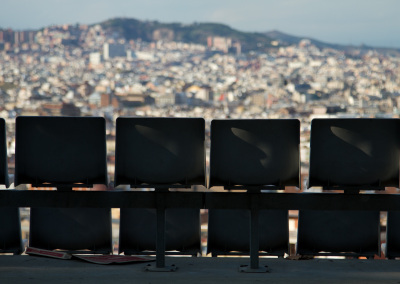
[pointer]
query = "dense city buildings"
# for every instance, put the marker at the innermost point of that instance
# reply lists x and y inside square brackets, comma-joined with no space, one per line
[80,70]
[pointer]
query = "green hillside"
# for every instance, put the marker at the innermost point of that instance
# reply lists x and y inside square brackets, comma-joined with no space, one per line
[194,33]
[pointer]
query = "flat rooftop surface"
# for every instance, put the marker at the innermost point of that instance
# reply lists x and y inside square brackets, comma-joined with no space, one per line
[32,269]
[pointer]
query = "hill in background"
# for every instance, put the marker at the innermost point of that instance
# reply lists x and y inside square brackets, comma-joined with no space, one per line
[286,39]
[193,33]
[131,28]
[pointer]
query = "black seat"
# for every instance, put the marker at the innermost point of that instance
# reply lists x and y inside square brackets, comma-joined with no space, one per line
[229,232]
[10,224]
[138,227]
[160,153]
[393,235]
[4,179]
[349,155]
[254,155]
[64,152]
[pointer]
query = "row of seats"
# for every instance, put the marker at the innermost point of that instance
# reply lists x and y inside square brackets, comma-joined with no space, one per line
[162,153]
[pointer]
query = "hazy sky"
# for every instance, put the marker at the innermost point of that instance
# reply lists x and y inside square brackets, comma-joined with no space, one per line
[356,22]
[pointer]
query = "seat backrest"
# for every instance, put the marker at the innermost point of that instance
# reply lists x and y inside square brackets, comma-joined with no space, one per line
[354,153]
[3,154]
[64,152]
[161,153]
[60,151]
[263,154]
[349,154]
[252,154]
[10,232]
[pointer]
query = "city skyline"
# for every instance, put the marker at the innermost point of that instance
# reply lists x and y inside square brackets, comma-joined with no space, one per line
[343,22]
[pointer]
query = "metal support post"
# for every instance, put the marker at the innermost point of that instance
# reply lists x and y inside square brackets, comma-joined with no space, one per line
[160,237]
[254,238]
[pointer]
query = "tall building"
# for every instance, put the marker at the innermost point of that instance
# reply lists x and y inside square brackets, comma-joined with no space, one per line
[95,58]
[163,34]
[111,50]
[219,43]
[16,37]
[7,36]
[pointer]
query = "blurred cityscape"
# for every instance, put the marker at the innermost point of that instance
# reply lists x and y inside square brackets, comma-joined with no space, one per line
[87,70]
[81,70]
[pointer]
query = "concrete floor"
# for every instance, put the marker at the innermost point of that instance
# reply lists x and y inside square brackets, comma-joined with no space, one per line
[31,269]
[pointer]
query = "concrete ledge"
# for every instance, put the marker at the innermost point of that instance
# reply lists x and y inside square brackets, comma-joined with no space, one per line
[31,269]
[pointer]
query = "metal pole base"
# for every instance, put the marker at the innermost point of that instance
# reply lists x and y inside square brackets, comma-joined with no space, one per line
[154,268]
[248,269]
